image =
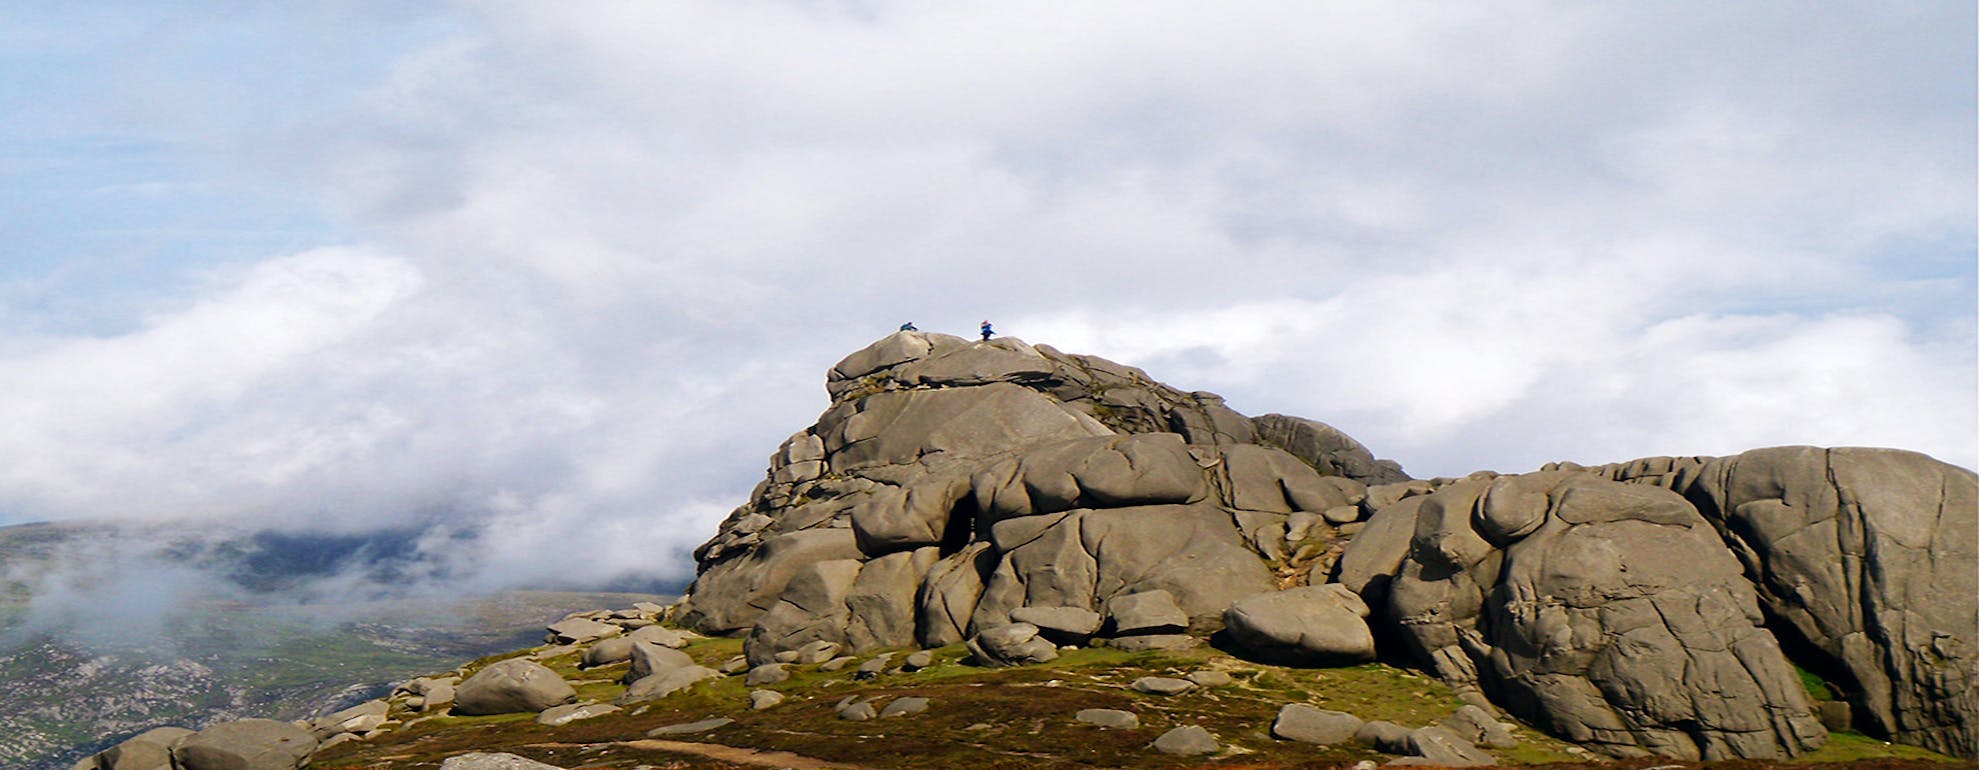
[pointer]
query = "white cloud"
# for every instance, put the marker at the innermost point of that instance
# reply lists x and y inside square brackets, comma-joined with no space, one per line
[614,247]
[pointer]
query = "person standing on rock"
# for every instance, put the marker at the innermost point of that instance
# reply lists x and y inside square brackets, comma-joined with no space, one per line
[987,331]
[908,327]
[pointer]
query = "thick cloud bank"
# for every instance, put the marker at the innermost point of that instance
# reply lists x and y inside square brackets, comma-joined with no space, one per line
[587,264]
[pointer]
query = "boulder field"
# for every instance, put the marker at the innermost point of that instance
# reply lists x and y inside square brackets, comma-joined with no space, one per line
[1018,498]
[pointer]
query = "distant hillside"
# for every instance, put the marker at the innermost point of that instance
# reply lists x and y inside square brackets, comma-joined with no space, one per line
[69,688]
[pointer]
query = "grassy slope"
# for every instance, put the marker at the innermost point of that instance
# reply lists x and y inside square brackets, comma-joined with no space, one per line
[987,719]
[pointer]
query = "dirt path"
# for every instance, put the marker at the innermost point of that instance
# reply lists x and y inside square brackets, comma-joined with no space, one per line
[740,755]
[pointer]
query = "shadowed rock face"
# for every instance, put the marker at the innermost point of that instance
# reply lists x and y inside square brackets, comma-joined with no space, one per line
[1869,555]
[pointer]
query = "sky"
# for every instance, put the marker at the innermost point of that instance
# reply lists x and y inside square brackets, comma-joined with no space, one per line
[543,285]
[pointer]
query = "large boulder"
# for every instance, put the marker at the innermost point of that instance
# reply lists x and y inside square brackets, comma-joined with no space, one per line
[731,594]
[811,609]
[1326,449]
[148,750]
[249,744]
[510,686]
[1308,626]
[1867,555]
[1104,471]
[1608,614]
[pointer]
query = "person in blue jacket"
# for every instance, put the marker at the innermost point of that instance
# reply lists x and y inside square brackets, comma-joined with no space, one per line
[987,331]
[908,327]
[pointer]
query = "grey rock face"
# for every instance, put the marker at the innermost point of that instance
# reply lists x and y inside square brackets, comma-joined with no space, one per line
[649,659]
[1476,725]
[1310,625]
[249,744]
[1606,613]
[1867,554]
[1188,741]
[481,760]
[1309,724]
[1385,737]
[510,686]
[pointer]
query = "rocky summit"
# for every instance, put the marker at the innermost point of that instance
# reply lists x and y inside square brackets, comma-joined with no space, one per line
[1190,582]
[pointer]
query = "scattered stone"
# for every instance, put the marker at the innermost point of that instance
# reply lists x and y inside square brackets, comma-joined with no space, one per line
[1837,716]
[1113,718]
[874,667]
[1165,642]
[1209,678]
[1063,625]
[660,635]
[482,760]
[920,660]
[1015,644]
[607,651]
[905,706]
[1188,741]
[665,683]
[1474,724]
[837,664]
[689,728]
[1308,724]
[817,652]
[735,665]
[1385,737]
[248,744]
[858,711]
[768,673]
[764,699]
[578,630]
[1148,612]
[1343,514]
[557,651]
[510,686]
[572,712]
[1442,747]
[1310,626]
[1161,685]
[649,659]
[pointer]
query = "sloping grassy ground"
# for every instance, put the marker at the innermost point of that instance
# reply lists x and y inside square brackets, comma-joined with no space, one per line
[987,719]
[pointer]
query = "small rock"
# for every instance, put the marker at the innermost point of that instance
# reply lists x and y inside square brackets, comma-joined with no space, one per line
[1342,514]
[764,699]
[1478,726]
[1385,737]
[874,667]
[1168,642]
[1446,748]
[768,673]
[1837,716]
[901,707]
[578,630]
[1189,741]
[735,665]
[660,635]
[1209,678]
[837,663]
[690,727]
[1064,625]
[817,652]
[1113,718]
[920,660]
[566,714]
[1306,724]
[1161,685]
[857,712]
[482,760]
[787,656]
[1015,644]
